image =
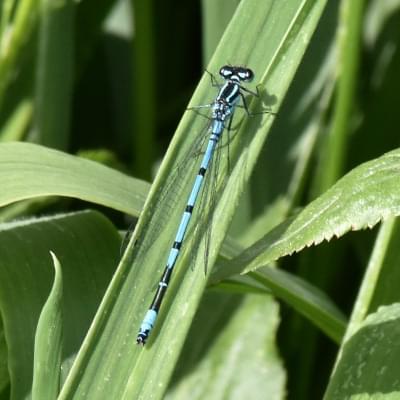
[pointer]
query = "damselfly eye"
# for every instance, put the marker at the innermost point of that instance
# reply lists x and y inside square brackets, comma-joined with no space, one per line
[226,71]
[246,74]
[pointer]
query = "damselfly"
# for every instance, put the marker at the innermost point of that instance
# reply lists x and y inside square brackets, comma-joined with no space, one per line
[223,107]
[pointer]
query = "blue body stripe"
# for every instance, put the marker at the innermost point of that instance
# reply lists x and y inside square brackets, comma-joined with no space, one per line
[173,254]
[195,190]
[182,227]
[217,127]
[209,153]
[149,320]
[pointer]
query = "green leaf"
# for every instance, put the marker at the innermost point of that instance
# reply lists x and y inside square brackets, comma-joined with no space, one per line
[48,342]
[28,171]
[380,282]
[365,196]
[17,123]
[379,287]
[348,58]
[88,247]
[24,22]
[368,365]
[383,272]
[278,34]
[215,17]
[246,338]
[4,375]
[55,63]
[304,298]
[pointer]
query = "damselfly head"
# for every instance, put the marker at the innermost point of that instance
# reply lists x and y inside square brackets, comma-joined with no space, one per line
[236,73]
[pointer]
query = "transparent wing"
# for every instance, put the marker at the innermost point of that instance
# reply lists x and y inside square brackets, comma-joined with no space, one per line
[171,193]
[214,182]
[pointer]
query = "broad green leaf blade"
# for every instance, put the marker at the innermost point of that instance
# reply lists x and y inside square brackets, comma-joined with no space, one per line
[215,17]
[28,171]
[279,34]
[304,298]
[369,364]
[88,247]
[365,196]
[48,342]
[245,338]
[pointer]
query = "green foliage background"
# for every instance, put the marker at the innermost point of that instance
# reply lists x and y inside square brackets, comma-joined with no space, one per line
[90,95]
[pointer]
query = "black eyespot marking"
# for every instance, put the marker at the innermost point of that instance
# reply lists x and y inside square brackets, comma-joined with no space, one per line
[226,71]
[236,73]
[245,74]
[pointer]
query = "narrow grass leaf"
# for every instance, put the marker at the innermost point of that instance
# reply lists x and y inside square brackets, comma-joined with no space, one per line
[24,21]
[48,342]
[304,298]
[55,63]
